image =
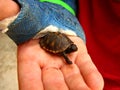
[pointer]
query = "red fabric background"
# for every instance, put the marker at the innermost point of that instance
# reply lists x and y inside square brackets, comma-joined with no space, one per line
[100,20]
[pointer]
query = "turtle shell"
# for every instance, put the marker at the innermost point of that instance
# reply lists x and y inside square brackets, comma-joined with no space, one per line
[57,43]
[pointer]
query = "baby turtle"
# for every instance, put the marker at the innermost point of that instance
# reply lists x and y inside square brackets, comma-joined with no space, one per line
[57,43]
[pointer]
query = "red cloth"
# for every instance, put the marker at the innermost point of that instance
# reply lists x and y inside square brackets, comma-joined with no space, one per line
[100,20]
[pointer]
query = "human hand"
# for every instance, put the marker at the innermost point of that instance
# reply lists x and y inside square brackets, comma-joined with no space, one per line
[8,8]
[39,70]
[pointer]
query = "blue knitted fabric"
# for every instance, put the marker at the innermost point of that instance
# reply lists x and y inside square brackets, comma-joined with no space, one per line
[35,16]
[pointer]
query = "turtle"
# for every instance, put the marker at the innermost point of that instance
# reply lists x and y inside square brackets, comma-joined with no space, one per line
[57,43]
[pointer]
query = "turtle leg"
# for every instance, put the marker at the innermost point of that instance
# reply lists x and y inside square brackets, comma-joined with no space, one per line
[66,58]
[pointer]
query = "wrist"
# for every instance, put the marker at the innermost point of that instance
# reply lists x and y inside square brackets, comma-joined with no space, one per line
[8,8]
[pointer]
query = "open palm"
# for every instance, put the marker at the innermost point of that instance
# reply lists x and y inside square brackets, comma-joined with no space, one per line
[40,70]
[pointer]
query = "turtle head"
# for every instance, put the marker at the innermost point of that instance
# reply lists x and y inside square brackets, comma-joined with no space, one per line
[71,48]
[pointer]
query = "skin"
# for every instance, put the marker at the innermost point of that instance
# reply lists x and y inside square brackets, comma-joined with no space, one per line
[39,70]
[8,8]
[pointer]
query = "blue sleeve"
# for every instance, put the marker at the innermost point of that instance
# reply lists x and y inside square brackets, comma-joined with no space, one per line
[72,4]
[35,16]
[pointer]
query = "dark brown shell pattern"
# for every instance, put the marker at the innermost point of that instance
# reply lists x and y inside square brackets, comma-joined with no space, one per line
[58,43]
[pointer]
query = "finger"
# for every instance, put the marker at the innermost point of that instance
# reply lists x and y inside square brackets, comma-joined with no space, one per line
[53,79]
[89,72]
[29,73]
[74,78]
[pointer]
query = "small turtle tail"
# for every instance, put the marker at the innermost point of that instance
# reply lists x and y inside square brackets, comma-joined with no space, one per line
[66,58]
